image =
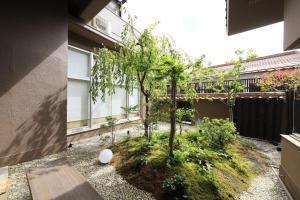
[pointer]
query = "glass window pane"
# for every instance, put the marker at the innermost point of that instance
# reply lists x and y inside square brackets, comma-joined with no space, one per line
[134,97]
[78,103]
[101,109]
[78,63]
[118,101]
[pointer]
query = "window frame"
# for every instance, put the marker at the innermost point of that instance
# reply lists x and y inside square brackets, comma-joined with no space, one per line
[88,79]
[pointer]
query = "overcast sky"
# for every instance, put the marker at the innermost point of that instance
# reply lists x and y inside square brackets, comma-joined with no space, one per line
[199,27]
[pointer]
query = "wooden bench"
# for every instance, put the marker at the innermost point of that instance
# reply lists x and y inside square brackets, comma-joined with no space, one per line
[59,181]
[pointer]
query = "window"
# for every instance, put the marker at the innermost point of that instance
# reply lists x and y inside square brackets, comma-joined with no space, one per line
[119,101]
[78,101]
[81,111]
[133,99]
[101,109]
[78,64]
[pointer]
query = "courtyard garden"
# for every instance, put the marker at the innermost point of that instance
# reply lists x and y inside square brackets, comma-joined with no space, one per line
[211,162]
[164,158]
[149,176]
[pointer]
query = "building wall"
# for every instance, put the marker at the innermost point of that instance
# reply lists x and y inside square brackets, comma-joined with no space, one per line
[291,24]
[33,79]
[290,165]
[210,108]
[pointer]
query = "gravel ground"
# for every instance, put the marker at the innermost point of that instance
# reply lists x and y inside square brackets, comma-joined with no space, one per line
[84,157]
[111,186]
[266,186]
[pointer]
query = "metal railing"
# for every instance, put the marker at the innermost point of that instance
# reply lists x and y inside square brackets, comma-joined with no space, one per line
[251,85]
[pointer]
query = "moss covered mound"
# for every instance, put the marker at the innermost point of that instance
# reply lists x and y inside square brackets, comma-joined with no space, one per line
[197,171]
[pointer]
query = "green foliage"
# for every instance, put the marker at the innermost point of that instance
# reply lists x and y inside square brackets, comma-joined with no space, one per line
[218,133]
[297,76]
[173,69]
[182,114]
[278,80]
[111,122]
[134,64]
[160,110]
[175,186]
[130,109]
[218,77]
[207,164]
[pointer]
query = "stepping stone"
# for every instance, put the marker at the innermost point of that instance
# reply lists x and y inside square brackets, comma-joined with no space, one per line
[59,181]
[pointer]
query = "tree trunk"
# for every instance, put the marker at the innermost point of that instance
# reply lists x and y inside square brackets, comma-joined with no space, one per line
[173,117]
[231,113]
[112,134]
[146,121]
[180,128]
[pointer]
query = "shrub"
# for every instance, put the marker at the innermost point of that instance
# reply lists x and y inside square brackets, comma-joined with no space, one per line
[278,80]
[175,187]
[217,133]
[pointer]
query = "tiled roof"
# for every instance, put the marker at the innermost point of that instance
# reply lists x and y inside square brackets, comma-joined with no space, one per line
[285,60]
[222,96]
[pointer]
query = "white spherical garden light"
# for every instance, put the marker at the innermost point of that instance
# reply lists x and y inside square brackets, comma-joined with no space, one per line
[105,156]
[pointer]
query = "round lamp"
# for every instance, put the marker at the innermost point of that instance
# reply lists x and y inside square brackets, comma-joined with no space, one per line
[105,156]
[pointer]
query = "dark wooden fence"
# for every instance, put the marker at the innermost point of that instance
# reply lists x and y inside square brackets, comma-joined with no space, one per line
[266,119]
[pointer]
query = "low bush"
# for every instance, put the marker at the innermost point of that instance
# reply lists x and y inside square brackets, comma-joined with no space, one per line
[217,133]
[175,186]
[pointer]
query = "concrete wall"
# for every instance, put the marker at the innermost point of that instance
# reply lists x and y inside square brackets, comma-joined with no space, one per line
[211,109]
[291,24]
[33,79]
[290,165]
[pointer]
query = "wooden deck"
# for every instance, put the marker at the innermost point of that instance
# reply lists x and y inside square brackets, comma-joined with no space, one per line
[59,181]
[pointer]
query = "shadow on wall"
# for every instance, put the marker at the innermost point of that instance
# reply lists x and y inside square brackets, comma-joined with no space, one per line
[42,134]
[33,78]
[33,31]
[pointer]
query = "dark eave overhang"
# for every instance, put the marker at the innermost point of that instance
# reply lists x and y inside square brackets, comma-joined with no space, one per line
[86,9]
[244,15]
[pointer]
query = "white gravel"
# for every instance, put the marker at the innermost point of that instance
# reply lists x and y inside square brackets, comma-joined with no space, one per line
[84,157]
[266,186]
[111,186]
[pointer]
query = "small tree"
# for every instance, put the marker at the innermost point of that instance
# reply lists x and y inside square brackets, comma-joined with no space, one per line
[173,69]
[129,109]
[111,122]
[132,65]
[182,114]
[229,81]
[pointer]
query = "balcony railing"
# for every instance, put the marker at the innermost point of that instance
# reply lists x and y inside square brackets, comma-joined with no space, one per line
[251,85]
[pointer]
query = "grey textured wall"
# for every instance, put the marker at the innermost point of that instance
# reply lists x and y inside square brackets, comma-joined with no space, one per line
[291,24]
[33,79]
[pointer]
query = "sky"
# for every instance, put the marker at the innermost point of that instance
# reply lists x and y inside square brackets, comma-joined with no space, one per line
[199,27]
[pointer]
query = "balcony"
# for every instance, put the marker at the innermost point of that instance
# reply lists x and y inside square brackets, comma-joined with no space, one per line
[251,85]
[108,23]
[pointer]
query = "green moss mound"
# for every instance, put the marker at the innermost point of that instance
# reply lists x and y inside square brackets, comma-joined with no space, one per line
[197,171]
